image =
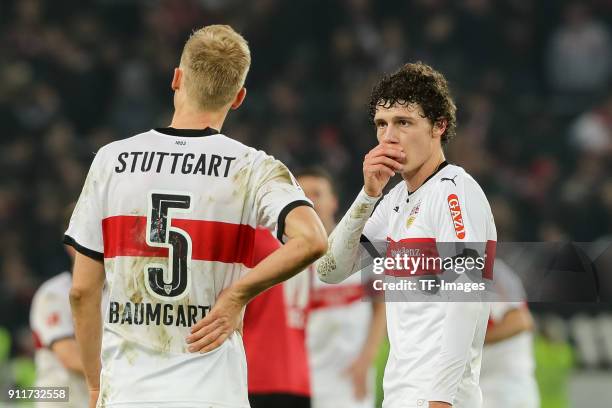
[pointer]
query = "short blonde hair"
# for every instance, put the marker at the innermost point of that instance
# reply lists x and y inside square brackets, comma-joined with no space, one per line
[215,63]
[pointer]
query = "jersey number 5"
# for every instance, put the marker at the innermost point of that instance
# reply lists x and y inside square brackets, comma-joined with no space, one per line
[170,281]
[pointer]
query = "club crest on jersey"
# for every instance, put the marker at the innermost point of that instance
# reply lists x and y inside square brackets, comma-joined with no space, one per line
[413,213]
[457,217]
[53,319]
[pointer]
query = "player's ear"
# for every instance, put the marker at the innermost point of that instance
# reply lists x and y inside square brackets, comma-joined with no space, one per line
[239,98]
[176,79]
[439,127]
[335,203]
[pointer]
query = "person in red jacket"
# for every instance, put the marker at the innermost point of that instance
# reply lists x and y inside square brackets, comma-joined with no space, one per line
[274,338]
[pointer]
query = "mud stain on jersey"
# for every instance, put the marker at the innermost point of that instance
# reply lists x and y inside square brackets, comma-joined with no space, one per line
[139,230]
[326,264]
[276,170]
[241,174]
[352,243]
[128,351]
[361,211]
[104,393]
[164,340]
[134,281]
[162,329]
[241,180]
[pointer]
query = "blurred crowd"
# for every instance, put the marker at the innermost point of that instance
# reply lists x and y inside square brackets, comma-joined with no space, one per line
[532,81]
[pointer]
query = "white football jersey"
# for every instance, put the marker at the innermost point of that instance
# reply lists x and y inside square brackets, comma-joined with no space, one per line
[173,212]
[436,347]
[51,321]
[338,325]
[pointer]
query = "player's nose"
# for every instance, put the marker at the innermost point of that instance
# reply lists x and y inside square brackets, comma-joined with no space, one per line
[390,135]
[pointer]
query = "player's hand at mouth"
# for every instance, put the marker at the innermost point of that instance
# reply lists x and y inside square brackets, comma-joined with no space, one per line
[379,165]
[224,318]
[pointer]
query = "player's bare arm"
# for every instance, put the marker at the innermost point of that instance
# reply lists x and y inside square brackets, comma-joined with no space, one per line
[68,353]
[307,241]
[514,322]
[85,300]
[358,370]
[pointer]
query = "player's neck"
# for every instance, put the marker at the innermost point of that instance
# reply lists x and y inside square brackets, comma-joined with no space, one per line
[189,119]
[416,178]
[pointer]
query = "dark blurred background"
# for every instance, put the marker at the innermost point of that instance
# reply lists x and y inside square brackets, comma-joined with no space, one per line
[532,81]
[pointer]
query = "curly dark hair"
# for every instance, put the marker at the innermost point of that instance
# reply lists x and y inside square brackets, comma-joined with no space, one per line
[420,84]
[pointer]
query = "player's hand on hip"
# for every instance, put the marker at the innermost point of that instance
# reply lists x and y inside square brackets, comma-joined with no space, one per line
[211,331]
[379,165]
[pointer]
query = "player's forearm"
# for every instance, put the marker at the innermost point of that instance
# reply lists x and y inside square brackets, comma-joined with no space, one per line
[88,330]
[340,261]
[514,322]
[458,328]
[68,353]
[305,245]
[376,333]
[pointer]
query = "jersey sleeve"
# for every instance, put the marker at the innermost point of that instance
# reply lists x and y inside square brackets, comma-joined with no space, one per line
[50,317]
[377,226]
[500,309]
[85,229]
[509,290]
[276,194]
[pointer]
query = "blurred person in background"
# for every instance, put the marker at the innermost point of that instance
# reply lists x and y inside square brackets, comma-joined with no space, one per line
[580,52]
[57,357]
[591,132]
[507,374]
[344,330]
[274,336]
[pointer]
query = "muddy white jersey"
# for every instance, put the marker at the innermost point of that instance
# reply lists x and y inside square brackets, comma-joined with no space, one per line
[436,347]
[172,213]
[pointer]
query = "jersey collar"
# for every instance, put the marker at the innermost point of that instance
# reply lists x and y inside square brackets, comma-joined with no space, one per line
[187,132]
[440,167]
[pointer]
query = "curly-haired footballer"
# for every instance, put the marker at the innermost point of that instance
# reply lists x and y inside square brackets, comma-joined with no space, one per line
[436,346]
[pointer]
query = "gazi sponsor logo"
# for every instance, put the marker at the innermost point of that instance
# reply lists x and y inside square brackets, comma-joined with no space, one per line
[457,217]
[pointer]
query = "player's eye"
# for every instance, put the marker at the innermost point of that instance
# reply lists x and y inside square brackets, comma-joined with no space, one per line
[381,125]
[403,122]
